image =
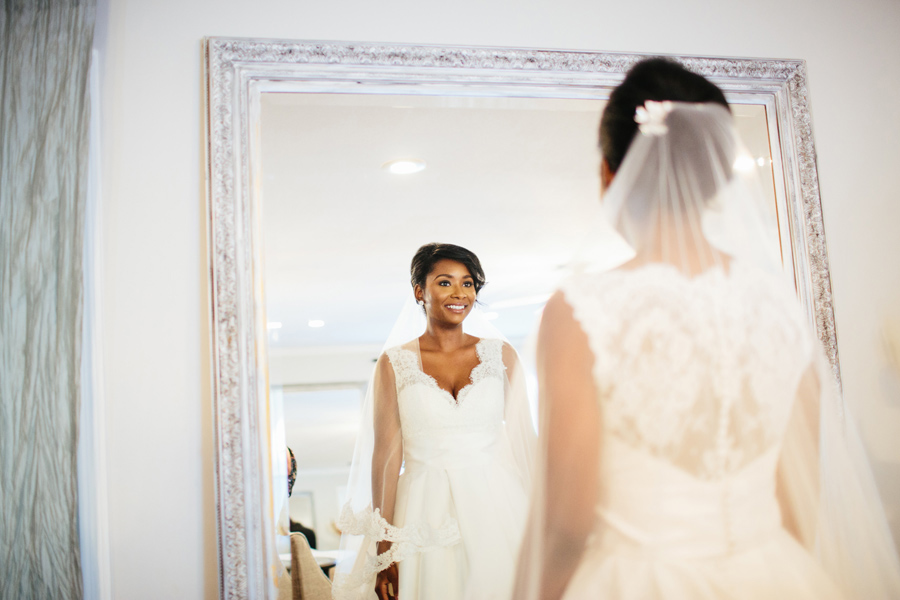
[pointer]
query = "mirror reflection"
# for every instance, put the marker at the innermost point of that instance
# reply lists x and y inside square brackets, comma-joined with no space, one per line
[515,180]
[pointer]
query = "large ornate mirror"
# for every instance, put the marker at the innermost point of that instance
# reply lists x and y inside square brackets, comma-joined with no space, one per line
[311,234]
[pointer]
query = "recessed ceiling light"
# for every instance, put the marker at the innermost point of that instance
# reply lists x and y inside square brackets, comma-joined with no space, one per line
[744,163]
[273,325]
[404,166]
[316,323]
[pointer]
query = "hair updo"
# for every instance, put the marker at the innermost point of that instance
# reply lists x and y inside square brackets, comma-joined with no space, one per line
[655,79]
[425,258]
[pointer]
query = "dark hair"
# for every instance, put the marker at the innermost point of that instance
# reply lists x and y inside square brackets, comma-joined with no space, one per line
[651,79]
[429,254]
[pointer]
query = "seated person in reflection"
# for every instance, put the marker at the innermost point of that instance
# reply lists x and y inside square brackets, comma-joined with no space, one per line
[438,487]
[296,526]
[292,470]
[282,525]
[310,534]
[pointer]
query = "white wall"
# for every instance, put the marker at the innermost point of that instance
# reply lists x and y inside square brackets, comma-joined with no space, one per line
[326,487]
[323,365]
[162,514]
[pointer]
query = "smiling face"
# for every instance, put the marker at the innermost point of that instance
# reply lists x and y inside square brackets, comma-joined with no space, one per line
[449,292]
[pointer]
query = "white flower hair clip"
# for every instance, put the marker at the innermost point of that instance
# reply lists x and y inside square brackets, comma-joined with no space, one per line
[651,117]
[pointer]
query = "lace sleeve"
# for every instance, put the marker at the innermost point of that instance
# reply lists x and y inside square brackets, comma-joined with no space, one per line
[358,583]
[367,518]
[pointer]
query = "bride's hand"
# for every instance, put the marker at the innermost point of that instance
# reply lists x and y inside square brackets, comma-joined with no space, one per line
[386,584]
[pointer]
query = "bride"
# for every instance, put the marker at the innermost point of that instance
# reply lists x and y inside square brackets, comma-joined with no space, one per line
[686,406]
[438,485]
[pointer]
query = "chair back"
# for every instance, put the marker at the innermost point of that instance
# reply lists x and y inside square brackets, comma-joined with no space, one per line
[308,580]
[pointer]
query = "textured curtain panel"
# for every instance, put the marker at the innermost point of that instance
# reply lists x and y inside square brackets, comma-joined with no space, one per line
[45,50]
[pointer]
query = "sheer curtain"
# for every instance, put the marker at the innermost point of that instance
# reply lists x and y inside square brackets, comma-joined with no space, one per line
[45,54]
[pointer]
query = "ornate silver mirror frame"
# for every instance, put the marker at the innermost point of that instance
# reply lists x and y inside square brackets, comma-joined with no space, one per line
[239,70]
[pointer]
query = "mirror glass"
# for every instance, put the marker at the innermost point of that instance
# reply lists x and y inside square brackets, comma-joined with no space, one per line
[514,179]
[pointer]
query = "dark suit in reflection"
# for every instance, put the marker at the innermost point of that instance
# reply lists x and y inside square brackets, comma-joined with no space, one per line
[309,533]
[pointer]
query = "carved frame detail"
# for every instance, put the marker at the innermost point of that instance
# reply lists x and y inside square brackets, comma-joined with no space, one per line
[234,68]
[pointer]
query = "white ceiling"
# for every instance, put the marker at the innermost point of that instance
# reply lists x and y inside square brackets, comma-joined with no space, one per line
[512,179]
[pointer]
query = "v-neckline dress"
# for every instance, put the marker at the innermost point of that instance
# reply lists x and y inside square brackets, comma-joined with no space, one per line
[458,479]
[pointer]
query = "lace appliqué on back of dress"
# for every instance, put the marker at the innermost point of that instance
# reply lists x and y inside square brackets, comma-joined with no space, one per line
[700,372]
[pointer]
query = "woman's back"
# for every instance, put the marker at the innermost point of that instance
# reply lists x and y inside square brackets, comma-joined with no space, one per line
[695,380]
[685,418]
[699,372]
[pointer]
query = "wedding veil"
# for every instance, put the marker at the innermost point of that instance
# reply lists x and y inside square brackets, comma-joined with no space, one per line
[688,212]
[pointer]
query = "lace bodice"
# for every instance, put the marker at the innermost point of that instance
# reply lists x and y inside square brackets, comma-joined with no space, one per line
[700,372]
[428,410]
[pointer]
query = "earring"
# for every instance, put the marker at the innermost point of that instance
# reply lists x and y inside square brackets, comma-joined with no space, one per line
[421,303]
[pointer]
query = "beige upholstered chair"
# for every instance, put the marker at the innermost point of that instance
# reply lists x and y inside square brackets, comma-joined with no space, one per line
[308,581]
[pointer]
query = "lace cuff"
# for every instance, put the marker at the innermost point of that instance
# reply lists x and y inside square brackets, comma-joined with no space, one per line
[407,540]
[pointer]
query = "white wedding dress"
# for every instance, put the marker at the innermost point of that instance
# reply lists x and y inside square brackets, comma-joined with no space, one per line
[461,497]
[456,465]
[697,379]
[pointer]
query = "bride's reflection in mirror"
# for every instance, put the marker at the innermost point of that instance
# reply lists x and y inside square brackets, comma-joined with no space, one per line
[513,179]
[448,401]
[339,230]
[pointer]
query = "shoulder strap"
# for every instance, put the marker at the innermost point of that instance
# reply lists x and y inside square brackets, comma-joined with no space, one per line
[490,356]
[405,364]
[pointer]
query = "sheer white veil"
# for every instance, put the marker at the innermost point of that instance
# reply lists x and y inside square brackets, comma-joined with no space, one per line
[683,207]
[361,521]
[677,194]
